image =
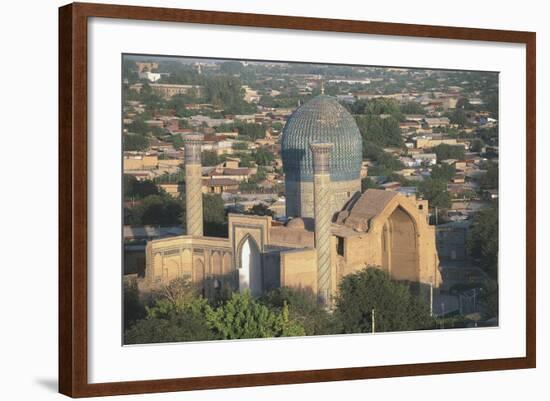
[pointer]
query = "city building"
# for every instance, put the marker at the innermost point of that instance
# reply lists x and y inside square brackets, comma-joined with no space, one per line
[169,90]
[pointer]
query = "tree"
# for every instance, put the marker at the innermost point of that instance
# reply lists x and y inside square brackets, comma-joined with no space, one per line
[133,308]
[304,309]
[459,117]
[172,297]
[444,152]
[177,314]
[412,108]
[139,126]
[483,240]
[134,189]
[210,158]
[443,172]
[435,191]
[231,67]
[477,145]
[383,132]
[177,142]
[395,308]
[184,326]
[367,183]
[156,210]
[244,317]
[239,146]
[490,180]
[375,107]
[490,298]
[135,142]
[215,219]
[263,157]
[213,208]
[226,92]
[386,165]
[259,209]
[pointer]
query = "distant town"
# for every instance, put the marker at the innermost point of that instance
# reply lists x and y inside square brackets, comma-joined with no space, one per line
[430,135]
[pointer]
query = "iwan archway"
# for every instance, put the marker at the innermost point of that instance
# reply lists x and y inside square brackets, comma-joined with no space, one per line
[250,267]
[400,246]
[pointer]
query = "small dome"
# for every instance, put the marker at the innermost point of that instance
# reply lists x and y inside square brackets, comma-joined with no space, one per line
[321,119]
[296,223]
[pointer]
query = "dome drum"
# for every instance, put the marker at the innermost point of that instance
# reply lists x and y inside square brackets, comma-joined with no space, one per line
[322,119]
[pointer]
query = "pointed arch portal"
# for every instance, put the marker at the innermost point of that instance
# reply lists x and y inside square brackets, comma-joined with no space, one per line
[400,247]
[250,267]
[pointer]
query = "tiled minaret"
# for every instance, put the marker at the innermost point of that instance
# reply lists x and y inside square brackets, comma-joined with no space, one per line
[193,184]
[322,213]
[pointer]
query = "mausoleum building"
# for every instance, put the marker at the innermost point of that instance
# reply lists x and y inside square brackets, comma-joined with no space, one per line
[334,229]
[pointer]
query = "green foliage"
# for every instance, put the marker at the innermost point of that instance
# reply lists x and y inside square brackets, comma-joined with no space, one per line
[129,70]
[490,180]
[210,158]
[445,152]
[246,160]
[476,145]
[215,219]
[492,105]
[303,308]
[148,98]
[443,172]
[412,108]
[139,126]
[187,325]
[156,210]
[213,208]
[251,130]
[135,142]
[488,135]
[386,163]
[134,310]
[177,314]
[435,191]
[134,189]
[177,142]
[395,308]
[263,157]
[231,67]
[247,131]
[375,107]
[483,239]
[239,146]
[459,117]
[243,317]
[176,296]
[490,298]
[367,183]
[227,93]
[384,132]
[252,183]
[259,209]
[158,132]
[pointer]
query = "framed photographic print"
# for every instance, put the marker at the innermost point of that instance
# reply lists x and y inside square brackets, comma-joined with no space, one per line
[251,200]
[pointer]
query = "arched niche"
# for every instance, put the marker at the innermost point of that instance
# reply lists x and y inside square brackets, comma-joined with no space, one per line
[400,246]
[250,266]
[216,264]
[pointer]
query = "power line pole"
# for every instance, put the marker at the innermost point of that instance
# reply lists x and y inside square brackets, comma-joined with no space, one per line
[373,320]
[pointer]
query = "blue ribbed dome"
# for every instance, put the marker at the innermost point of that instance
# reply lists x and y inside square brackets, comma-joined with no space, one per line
[321,119]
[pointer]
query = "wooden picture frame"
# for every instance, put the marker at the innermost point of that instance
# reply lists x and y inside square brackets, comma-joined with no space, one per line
[73,198]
